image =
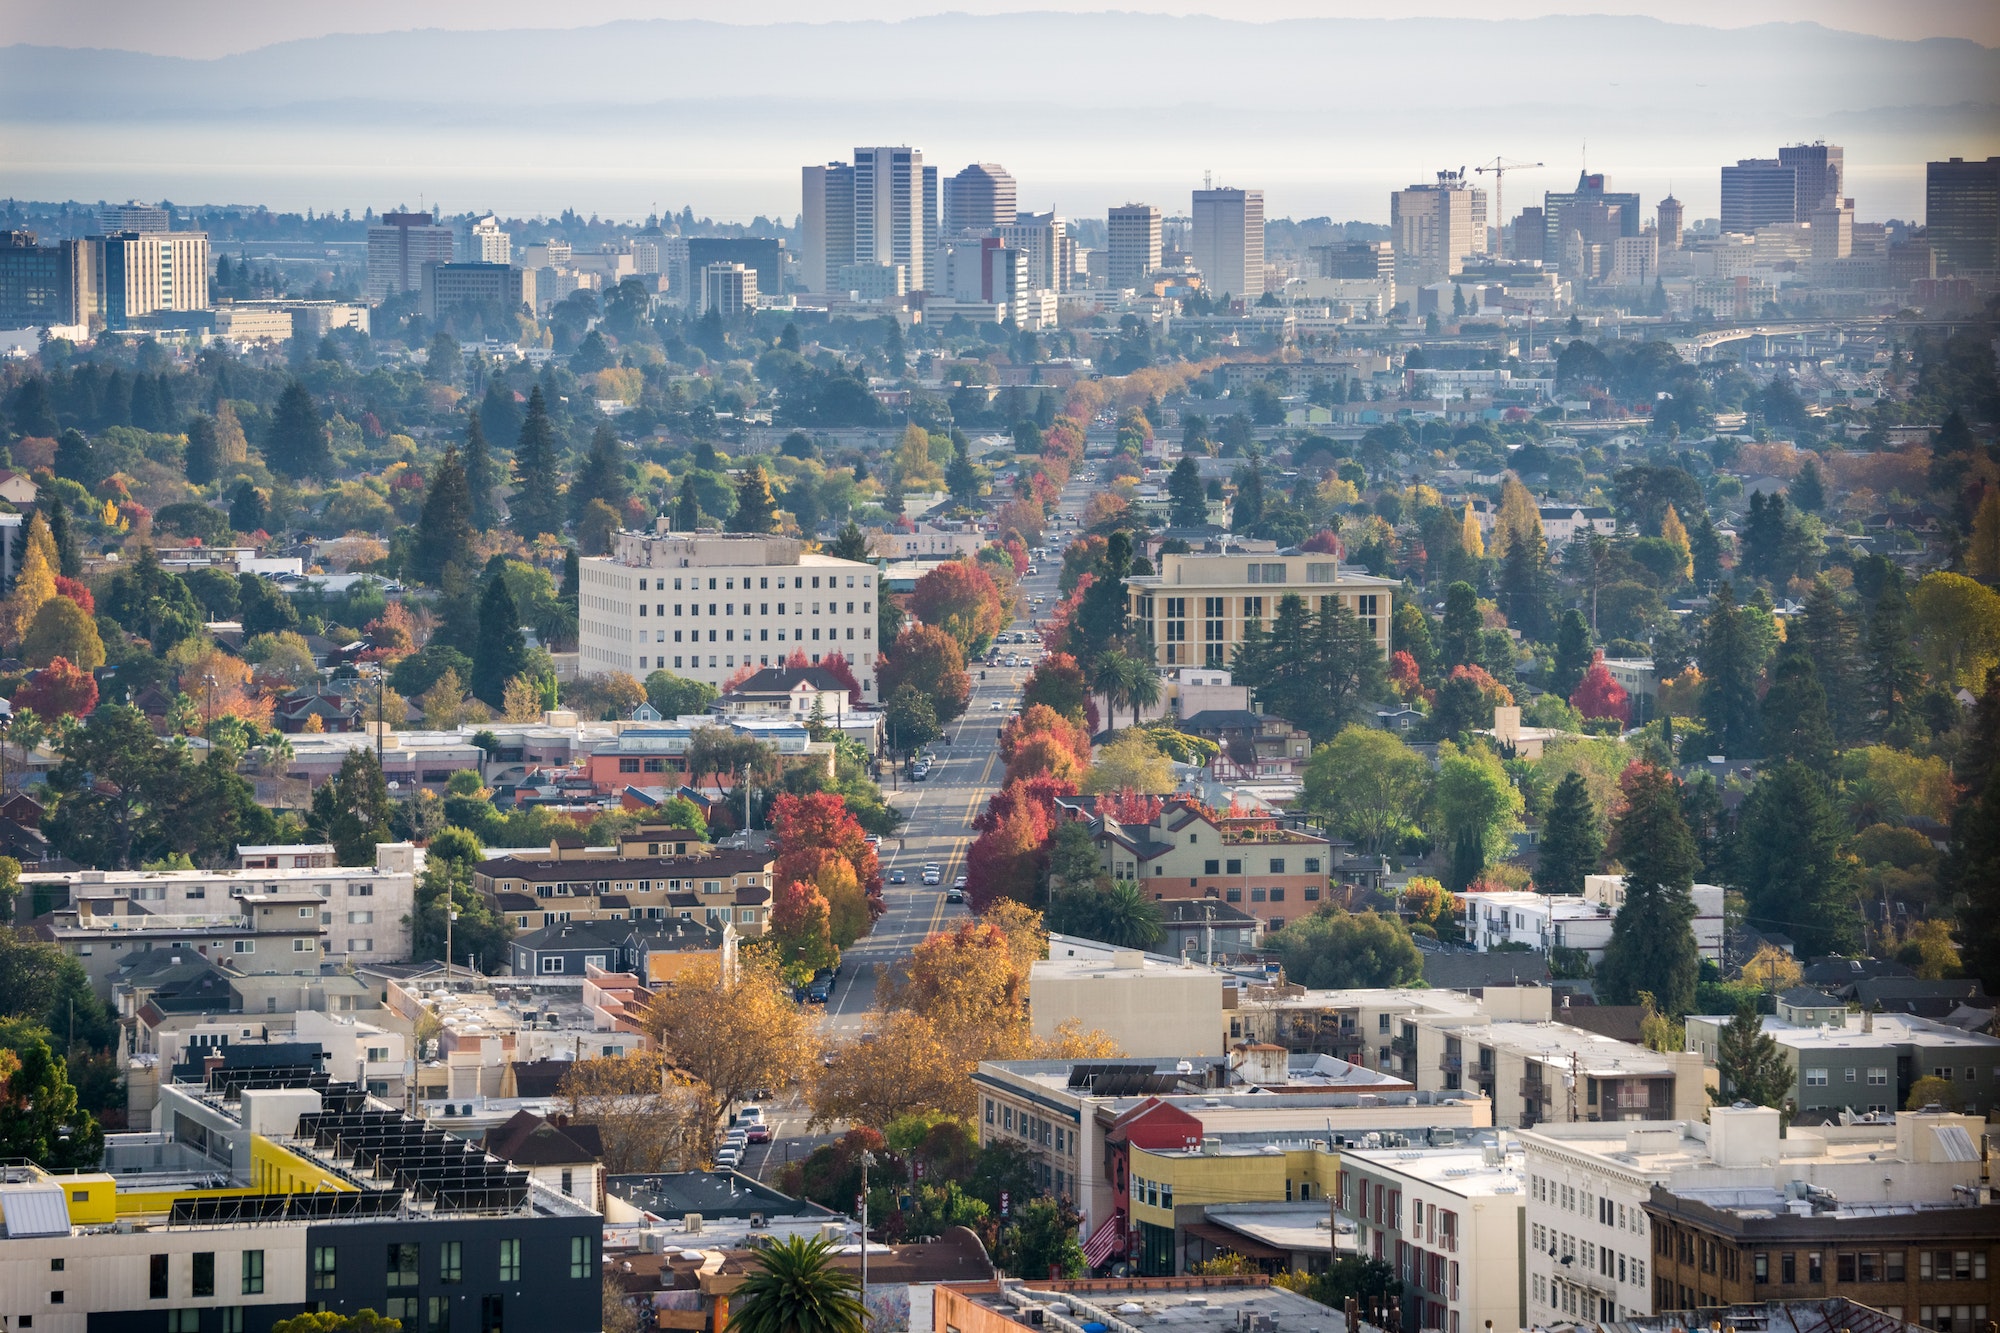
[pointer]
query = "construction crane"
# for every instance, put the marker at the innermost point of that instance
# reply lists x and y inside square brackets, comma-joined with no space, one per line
[1498,169]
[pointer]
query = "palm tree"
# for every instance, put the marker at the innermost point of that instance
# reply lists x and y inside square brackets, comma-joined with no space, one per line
[1128,918]
[1109,675]
[1142,685]
[794,1288]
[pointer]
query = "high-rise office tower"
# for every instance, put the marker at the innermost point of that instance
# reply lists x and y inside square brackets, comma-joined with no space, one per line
[1671,215]
[399,247]
[1434,227]
[147,272]
[1962,214]
[485,243]
[979,198]
[1132,236]
[115,219]
[42,285]
[1560,212]
[1229,241]
[1757,192]
[1530,236]
[1049,250]
[1833,229]
[826,242]
[1821,170]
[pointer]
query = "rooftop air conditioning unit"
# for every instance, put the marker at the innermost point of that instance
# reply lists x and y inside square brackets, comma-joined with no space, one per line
[691,1223]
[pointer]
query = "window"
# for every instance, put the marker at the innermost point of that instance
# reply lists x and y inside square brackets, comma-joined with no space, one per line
[1277,865]
[1815,1078]
[1878,1078]
[232,1319]
[253,1272]
[1788,1268]
[1234,867]
[243,946]
[510,1261]
[1815,1269]
[450,1265]
[1312,865]
[579,1256]
[183,1321]
[1211,867]
[156,1270]
[402,1266]
[323,1267]
[1847,1074]
[1760,1269]
[437,1315]
[489,1315]
[552,966]
[204,1274]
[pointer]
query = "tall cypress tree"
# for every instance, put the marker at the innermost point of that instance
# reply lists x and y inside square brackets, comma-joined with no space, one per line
[1571,843]
[500,653]
[1795,725]
[1891,677]
[1729,672]
[1786,857]
[1826,632]
[1971,869]
[756,507]
[1573,654]
[444,532]
[536,504]
[687,509]
[68,562]
[300,444]
[1652,944]
[1705,548]
[602,476]
[204,450]
[1458,636]
[482,478]
[1188,501]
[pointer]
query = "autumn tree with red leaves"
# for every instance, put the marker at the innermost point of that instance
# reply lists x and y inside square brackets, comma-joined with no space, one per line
[960,598]
[930,661]
[60,689]
[1128,806]
[807,826]
[1599,696]
[1040,718]
[802,930]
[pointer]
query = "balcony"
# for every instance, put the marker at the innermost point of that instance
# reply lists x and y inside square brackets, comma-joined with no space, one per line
[1534,1089]
[1451,1063]
[1403,1046]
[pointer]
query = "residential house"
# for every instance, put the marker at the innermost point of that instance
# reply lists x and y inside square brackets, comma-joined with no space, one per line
[1186,853]
[654,873]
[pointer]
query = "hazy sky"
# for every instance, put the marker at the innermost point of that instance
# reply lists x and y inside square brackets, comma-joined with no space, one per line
[219,27]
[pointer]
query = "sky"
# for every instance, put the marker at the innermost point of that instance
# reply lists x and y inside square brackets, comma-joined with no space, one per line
[207,28]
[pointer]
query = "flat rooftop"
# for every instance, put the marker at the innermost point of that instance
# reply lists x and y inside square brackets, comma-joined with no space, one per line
[1444,1003]
[1463,1171]
[1889,1029]
[1185,1305]
[1188,1082]
[1596,1054]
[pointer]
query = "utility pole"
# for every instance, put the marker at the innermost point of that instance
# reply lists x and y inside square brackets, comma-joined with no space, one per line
[867,1160]
[1498,168]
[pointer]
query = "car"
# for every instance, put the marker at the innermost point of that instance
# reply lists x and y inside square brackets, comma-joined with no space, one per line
[998,706]
[873,840]
[932,877]
[898,877]
[759,1134]
[726,1158]
[1032,570]
[955,896]
[921,773]
[817,993]
[959,882]
[750,1115]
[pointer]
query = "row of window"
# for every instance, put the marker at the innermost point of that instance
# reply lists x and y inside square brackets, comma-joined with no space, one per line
[693,663]
[763,609]
[1572,1199]
[1875,1266]
[1275,866]
[763,581]
[763,636]
[1032,1128]
[201,1280]
[1877,1078]
[1600,1259]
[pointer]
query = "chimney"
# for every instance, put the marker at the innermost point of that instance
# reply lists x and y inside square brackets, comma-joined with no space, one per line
[209,1064]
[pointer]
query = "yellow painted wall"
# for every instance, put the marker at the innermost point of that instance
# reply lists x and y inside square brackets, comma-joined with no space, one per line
[1259,1178]
[95,1200]
[92,1198]
[278,1170]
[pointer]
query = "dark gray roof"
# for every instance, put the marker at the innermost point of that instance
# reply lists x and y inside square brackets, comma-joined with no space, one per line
[783,680]
[1455,970]
[710,1193]
[1806,997]
[547,870]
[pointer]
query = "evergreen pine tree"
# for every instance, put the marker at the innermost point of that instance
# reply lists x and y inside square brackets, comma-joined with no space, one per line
[960,477]
[1652,944]
[687,509]
[756,507]
[76,458]
[1705,549]
[1458,636]
[444,531]
[1826,632]
[501,653]
[482,478]
[247,509]
[1524,585]
[1573,654]
[572,579]
[204,450]
[1891,677]
[300,443]
[1729,678]
[602,476]
[1786,857]
[1808,491]
[536,505]
[1188,503]
[68,562]
[1794,723]
[1571,844]
[1248,508]
[1970,873]
[1750,1065]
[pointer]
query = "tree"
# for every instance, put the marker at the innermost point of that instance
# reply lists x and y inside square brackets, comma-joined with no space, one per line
[1826,634]
[1118,914]
[795,1287]
[960,598]
[910,721]
[1794,715]
[1931,1090]
[536,505]
[1042,1242]
[1652,946]
[929,659]
[300,444]
[1458,640]
[1058,682]
[1368,786]
[642,1108]
[1729,678]
[501,654]
[1478,808]
[249,508]
[42,1122]
[802,931]
[69,564]
[1573,654]
[687,509]
[1750,1066]
[325,1321]
[602,476]
[756,507]
[1571,844]
[1334,949]
[677,696]
[961,478]
[1131,761]
[445,528]
[351,810]
[1187,499]
[1787,859]
[1891,677]
[482,478]
[1957,623]
[60,689]
[1970,872]
[1599,696]
[34,587]
[731,1033]
[62,630]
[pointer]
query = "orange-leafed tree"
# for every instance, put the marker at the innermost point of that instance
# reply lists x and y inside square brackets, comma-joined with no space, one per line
[1006,859]
[1057,682]
[1040,719]
[1129,806]
[808,825]
[931,661]
[60,689]
[802,930]
[960,598]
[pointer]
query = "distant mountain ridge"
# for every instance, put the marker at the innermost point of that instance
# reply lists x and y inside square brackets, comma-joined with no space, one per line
[1110,62]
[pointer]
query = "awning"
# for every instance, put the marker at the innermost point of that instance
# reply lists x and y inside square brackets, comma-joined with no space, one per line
[1224,1238]
[1105,1240]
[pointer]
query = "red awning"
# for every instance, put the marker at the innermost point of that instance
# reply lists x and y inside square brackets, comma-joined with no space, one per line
[1108,1238]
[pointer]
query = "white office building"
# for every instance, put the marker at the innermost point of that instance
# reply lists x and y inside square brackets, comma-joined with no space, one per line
[704,605]
[485,243]
[1229,241]
[880,209]
[1545,921]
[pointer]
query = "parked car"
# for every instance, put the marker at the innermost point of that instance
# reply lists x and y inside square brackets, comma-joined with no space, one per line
[750,1115]
[760,1134]
[726,1158]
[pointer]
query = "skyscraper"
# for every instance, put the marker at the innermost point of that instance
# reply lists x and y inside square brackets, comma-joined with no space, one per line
[1821,169]
[1757,192]
[979,198]
[114,219]
[1132,235]
[1434,227]
[1229,241]
[1962,214]
[46,284]
[826,243]
[1563,213]
[399,247]
[881,210]
[147,272]
[485,243]
[1671,215]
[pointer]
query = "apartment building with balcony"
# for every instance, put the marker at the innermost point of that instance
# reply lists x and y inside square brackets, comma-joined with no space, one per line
[1271,873]
[1546,922]
[654,873]
[1197,609]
